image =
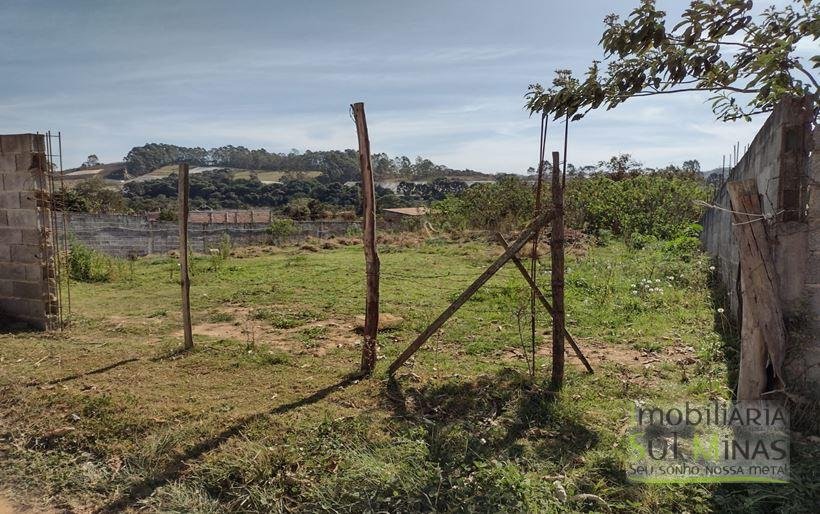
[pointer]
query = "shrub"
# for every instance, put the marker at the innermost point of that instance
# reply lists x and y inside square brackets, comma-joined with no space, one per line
[298,209]
[509,202]
[686,243]
[280,228]
[88,265]
[656,205]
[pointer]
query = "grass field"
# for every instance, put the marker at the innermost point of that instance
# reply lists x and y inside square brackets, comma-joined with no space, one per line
[265,416]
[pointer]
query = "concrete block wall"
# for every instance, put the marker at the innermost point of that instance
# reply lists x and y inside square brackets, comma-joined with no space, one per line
[779,160]
[783,159]
[26,275]
[132,235]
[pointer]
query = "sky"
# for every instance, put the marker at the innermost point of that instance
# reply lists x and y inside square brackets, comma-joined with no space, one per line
[444,79]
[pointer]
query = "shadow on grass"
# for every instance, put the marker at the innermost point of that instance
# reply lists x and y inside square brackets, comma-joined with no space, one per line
[173,470]
[84,374]
[501,415]
[174,354]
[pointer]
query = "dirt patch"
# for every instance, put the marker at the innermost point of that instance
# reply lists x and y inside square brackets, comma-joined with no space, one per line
[319,337]
[235,331]
[6,507]
[598,353]
[387,321]
[310,337]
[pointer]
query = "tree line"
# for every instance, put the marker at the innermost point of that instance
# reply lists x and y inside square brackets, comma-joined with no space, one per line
[335,165]
[220,189]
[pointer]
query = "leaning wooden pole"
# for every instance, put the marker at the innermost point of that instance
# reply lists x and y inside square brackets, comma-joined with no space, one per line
[762,333]
[557,257]
[371,311]
[519,243]
[185,280]
[544,302]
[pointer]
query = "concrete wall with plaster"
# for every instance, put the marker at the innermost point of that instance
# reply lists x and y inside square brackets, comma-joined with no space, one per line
[131,235]
[26,274]
[787,171]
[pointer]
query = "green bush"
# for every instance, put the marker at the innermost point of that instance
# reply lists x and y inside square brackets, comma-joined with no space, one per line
[507,203]
[657,205]
[642,209]
[280,228]
[88,265]
[686,243]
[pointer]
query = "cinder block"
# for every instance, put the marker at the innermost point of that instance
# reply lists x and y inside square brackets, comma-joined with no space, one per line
[12,236]
[26,253]
[4,218]
[18,182]
[22,218]
[31,236]
[17,143]
[12,271]
[5,252]
[33,163]
[6,288]
[31,290]
[9,200]
[34,272]
[26,200]
[23,308]
[8,163]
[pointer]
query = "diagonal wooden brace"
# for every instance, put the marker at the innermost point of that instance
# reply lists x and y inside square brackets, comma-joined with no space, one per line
[544,301]
[519,243]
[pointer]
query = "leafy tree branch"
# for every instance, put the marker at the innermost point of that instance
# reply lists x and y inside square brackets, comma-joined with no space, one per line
[718,46]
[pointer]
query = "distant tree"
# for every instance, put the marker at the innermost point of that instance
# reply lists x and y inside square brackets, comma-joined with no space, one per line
[298,209]
[92,196]
[621,166]
[718,47]
[691,166]
[715,179]
[91,161]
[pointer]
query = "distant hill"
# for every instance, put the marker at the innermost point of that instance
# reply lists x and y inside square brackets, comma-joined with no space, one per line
[264,176]
[326,165]
[115,171]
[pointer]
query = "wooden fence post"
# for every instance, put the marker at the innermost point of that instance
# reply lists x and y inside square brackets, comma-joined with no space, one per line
[185,280]
[371,312]
[762,334]
[557,257]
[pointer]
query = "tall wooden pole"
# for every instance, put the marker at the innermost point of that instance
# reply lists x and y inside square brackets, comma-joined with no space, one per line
[557,257]
[185,280]
[371,311]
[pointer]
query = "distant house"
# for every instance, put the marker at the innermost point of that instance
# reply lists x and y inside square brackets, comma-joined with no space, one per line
[403,213]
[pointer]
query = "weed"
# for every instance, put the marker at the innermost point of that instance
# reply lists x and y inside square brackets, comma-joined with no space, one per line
[309,335]
[88,265]
[221,317]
